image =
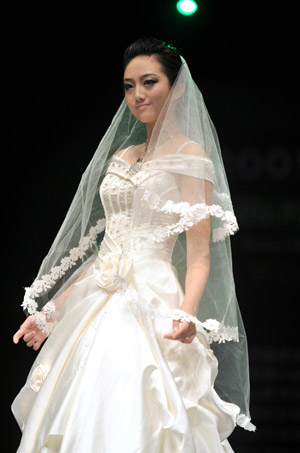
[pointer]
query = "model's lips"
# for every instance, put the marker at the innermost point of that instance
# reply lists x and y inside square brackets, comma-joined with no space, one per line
[142,106]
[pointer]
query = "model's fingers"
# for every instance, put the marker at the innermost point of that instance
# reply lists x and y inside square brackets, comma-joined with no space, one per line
[179,332]
[23,329]
[170,335]
[17,337]
[19,334]
[176,324]
[27,324]
[176,327]
[29,336]
[182,331]
[36,345]
[186,332]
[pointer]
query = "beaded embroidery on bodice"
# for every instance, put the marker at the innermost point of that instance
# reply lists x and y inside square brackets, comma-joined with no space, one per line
[117,195]
[120,198]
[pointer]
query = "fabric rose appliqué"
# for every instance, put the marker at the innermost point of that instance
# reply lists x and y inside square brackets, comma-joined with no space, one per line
[38,376]
[113,271]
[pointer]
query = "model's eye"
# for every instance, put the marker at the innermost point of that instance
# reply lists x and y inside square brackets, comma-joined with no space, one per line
[127,86]
[150,82]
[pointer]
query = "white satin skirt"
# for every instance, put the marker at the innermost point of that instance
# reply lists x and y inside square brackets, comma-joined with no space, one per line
[107,381]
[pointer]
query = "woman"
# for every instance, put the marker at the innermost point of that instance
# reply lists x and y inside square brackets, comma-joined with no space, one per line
[127,365]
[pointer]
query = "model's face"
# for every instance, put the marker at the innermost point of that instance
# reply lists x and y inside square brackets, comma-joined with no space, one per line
[146,88]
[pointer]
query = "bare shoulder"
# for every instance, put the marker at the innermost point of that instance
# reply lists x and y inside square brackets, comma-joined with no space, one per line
[125,153]
[119,153]
[188,146]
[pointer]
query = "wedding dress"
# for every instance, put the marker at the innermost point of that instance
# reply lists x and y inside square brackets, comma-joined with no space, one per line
[106,379]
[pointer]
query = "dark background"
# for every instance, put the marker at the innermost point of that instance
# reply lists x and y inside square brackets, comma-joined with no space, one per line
[62,71]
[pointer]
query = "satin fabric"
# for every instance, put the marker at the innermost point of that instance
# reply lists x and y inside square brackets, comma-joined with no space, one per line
[106,380]
[115,383]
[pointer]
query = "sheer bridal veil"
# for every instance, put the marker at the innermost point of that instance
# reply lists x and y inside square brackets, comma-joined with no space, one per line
[184,145]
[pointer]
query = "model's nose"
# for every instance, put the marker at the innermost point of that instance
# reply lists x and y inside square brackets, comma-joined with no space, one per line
[139,95]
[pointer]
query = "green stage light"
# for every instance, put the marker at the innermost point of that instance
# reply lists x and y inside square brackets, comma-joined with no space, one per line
[187,7]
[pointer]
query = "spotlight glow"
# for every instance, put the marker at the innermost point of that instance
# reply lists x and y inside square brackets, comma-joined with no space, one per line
[187,7]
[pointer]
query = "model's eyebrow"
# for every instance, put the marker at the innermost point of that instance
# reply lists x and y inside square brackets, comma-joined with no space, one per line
[142,77]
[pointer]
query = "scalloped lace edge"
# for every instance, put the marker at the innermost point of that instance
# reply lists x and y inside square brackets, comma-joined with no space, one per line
[48,280]
[217,331]
[190,215]
[245,422]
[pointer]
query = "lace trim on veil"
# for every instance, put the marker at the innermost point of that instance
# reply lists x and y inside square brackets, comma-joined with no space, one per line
[217,331]
[214,330]
[47,281]
[190,215]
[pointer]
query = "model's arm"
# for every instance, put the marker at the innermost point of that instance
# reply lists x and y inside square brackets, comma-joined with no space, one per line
[198,252]
[198,265]
[31,334]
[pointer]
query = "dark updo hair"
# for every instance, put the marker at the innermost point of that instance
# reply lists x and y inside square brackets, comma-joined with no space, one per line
[167,55]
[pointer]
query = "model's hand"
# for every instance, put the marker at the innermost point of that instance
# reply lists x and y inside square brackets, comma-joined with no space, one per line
[183,331]
[33,336]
